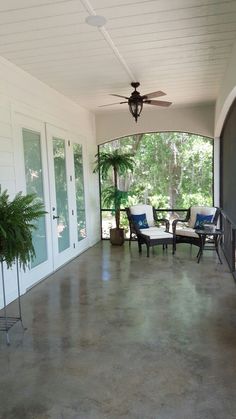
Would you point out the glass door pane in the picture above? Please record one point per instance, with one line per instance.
(59, 157)
(79, 192)
(34, 184)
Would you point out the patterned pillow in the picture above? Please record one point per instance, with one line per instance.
(201, 219)
(140, 220)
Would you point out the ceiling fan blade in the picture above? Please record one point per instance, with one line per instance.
(111, 104)
(119, 96)
(154, 94)
(158, 103)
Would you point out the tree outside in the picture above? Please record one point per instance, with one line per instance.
(172, 170)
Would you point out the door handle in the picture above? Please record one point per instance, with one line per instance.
(55, 216)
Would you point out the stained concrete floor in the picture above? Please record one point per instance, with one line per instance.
(117, 335)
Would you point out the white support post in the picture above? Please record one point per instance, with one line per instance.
(216, 172)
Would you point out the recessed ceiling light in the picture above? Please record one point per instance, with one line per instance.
(96, 20)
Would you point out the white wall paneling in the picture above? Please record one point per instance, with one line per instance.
(25, 100)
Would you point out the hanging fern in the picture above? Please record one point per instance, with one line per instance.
(17, 222)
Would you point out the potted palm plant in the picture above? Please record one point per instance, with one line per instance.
(120, 164)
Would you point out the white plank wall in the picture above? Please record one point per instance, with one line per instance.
(22, 93)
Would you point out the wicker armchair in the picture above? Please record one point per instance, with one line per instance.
(152, 235)
(184, 230)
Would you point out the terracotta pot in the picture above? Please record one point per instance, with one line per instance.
(117, 236)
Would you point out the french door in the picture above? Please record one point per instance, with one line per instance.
(32, 177)
(50, 165)
(68, 215)
(61, 187)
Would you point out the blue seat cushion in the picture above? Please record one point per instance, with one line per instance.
(140, 220)
(201, 219)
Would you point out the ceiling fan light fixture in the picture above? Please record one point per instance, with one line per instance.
(136, 101)
(135, 107)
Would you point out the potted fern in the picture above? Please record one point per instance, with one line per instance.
(17, 222)
(119, 164)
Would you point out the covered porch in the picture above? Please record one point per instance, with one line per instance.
(125, 336)
(111, 333)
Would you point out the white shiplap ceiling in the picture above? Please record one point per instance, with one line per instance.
(178, 46)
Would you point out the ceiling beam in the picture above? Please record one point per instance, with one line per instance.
(110, 42)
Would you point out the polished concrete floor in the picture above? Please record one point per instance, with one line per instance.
(117, 335)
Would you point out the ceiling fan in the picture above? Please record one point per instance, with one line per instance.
(136, 101)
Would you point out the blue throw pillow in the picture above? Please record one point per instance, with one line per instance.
(201, 219)
(140, 220)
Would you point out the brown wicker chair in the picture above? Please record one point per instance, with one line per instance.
(152, 235)
(183, 229)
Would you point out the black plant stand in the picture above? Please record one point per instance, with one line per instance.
(6, 322)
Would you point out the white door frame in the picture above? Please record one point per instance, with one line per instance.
(35, 274)
(61, 258)
(82, 245)
(31, 276)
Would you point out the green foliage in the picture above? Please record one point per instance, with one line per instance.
(196, 198)
(172, 169)
(118, 164)
(17, 221)
(112, 197)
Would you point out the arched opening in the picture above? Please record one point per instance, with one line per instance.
(173, 170)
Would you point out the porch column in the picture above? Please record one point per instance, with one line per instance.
(216, 172)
